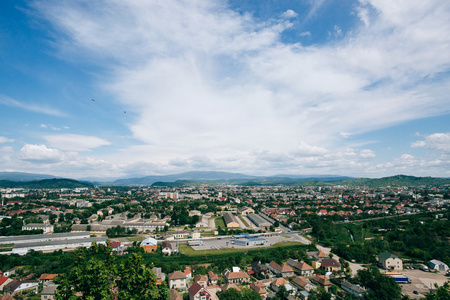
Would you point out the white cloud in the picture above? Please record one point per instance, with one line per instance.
(4, 100)
(436, 141)
(5, 140)
(289, 14)
(40, 154)
(50, 126)
(367, 153)
(207, 83)
(75, 142)
(309, 150)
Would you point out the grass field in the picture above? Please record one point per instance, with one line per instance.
(219, 222)
(243, 221)
(188, 250)
(138, 238)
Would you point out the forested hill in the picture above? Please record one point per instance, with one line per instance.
(398, 180)
(56, 183)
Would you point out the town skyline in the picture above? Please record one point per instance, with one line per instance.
(354, 88)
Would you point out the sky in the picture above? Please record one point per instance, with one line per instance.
(121, 88)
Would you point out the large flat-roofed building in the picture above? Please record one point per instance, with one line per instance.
(145, 226)
(23, 248)
(259, 221)
(230, 220)
(21, 239)
(250, 242)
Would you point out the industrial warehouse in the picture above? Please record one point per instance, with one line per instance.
(250, 242)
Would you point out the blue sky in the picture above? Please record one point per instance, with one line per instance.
(118, 88)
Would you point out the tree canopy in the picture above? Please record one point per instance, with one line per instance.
(97, 274)
(380, 286)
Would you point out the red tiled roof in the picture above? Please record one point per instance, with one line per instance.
(48, 276)
(236, 275)
(177, 275)
(195, 288)
(304, 266)
(3, 279)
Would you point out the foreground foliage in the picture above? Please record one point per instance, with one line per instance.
(97, 274)
(379, 286)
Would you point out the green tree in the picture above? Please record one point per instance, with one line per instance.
(91, 276)
(249, 294)
(137, 281)
(380, 286)
(282, 293)
(441, 292)
(97, 274)
(230, 294)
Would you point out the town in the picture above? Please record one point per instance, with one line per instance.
(322, 232)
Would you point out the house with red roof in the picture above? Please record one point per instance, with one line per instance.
(304, 269)
(4, 281)
(236, 277)
(201, 279)
(197, 292)
(285, 270)
(47, 277)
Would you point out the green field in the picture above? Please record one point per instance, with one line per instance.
(138, 238)
(189, 251)
(243, 221)
(219, 222)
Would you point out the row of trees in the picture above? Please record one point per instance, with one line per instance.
(119, 231)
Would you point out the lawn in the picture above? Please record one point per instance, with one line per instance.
(138, 238)
(189, 251)
(243, 221)
(219, 222)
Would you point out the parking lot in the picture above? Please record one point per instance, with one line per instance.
(225, 242)
(421, 282)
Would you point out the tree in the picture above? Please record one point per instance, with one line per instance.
(282, 293)
(441, 292)
(379, 285)
(137, 281)
(249, 294)
(230, 294)
(91, 276)
(97, 275)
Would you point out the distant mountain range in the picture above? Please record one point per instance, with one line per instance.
(54, 183)
(214, 176)
(28, 180)
(21, 176)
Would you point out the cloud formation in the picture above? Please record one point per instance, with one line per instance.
(75, 142)
(436, 141)
(211, 88)
(4, 100)
(5, 140)
(40, 154)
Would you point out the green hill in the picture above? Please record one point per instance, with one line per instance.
(56, 183)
